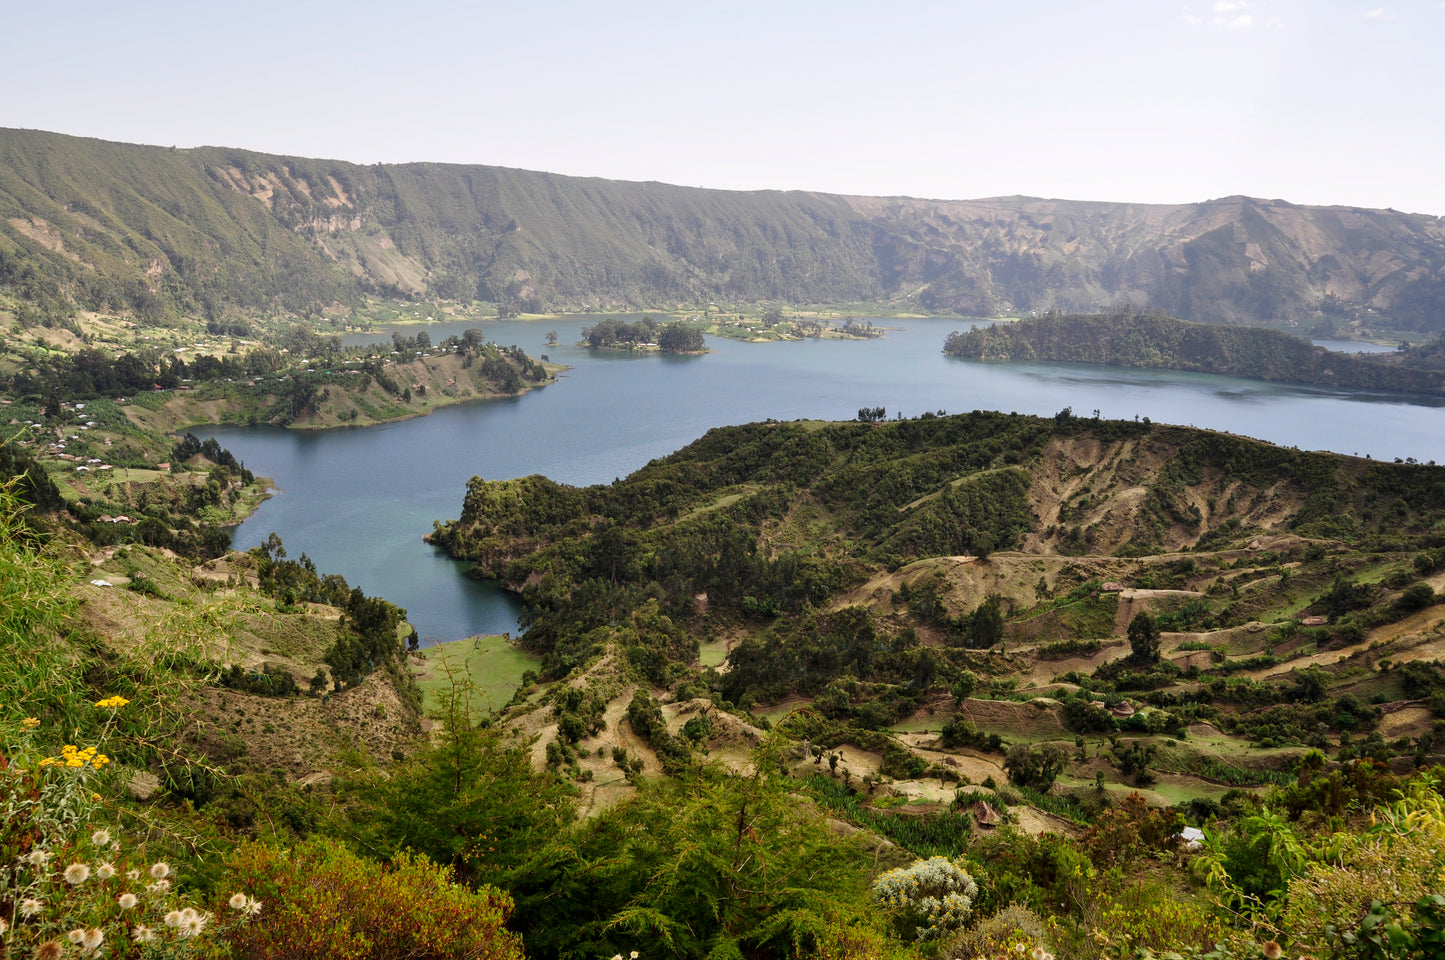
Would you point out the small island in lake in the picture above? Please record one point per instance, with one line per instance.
(685, 336)
(1153, 340)
(646, 335)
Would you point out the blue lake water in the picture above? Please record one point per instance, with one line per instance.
(358, 500)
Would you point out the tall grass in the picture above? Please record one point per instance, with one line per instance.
(55, 668)
(38, 674)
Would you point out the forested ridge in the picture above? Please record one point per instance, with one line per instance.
(771, 519)
(154, 231)
(1133, 339)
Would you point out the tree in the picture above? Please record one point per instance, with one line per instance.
(1144, 638)
(471, 801)
(931, 898)
(677, 338)
(872, 414)
(1134, 759)
(302, 396)
(407, 907)
(703, 865)
(552, 338)
(985, 627)
(964, 686)
(1036, 767)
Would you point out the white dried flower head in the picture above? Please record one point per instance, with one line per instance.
(30, 906)
(937, 894)
(132, 874)
(100, 837)
(192, 926)
(160, 870)
(160, 886)
(76, 935)
(617, 956)
(38, 858)
(142, 934)
(173, 918)
(253, 907)
(76, 873)
(633, 955)
(127, 900)
(1037, 953)
(237, 901)
(105, 871)
(4, 926)
(50, 950)
(93, 938)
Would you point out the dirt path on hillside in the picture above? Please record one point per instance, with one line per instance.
(1420, 636)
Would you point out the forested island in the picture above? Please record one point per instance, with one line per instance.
(685, 336)
(1126, 338)
(645, 334)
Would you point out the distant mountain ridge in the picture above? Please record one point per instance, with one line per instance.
(211, 229)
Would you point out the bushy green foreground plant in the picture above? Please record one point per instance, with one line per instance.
(1364, 894)
(326, 902)
(707, 865)
(471, 802)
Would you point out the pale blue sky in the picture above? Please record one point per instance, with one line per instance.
(1313, 101)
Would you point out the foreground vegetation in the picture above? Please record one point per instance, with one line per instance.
(941, 687)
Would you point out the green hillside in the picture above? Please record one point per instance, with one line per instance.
(210, 230)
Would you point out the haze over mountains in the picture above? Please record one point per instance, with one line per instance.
(157, 230)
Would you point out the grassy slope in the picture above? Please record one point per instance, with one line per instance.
(492, 665)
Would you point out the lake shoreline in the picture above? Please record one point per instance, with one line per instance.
(181, 416)
(358, 501)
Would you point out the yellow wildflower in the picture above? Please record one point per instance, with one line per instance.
(31, 722)
(112, 702)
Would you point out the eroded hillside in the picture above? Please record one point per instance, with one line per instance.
(120, 227)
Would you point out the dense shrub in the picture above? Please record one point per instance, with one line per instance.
(322, 901)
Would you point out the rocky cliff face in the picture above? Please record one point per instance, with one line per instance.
(156, 230)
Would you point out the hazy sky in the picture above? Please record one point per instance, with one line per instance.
(1313, 101)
